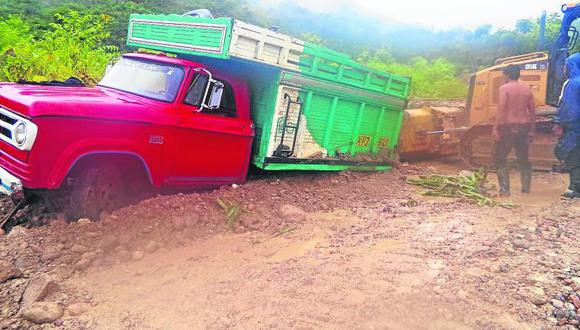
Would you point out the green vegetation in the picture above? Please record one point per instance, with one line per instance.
(432, 79)
(72, 47)
(232, 211)
(470, 187)
(43, 40)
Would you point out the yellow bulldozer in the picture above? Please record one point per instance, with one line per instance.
(446, 131)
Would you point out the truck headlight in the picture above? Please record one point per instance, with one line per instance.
(20, 133)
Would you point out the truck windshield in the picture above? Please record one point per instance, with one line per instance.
(149, 79)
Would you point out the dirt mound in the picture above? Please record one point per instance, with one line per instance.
(323, 249)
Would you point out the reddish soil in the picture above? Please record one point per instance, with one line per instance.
(313, 250)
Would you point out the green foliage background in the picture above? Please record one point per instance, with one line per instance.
(56, 39)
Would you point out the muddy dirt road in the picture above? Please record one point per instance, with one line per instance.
(333, 251)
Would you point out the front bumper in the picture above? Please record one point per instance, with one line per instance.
(9, 184)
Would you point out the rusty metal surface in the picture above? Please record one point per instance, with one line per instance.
(431, 131)
(477, 147)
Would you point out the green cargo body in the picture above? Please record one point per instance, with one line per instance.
(314, 109)
(227, 38)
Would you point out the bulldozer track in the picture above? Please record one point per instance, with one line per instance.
(477, 148)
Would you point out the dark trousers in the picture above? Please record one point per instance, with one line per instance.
(573, 167)
(513, 136)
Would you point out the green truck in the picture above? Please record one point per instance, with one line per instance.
(313, 108)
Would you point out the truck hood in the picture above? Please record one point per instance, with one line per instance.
(37, 100)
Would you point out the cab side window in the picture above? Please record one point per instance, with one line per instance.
(196, 93)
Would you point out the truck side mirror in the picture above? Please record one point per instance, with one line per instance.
(215, 98)
(215, 95)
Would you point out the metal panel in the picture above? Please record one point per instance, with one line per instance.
(254, 43)
(181, 34)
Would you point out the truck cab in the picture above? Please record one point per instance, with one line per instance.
(152, 119)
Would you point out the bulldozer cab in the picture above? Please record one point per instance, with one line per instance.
(484, 94)
(543, 72)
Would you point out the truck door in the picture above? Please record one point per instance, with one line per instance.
(212, 146)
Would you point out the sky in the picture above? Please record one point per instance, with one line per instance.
(439, 14)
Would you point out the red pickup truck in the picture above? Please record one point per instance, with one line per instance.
(152, 119)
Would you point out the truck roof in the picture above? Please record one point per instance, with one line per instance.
(165, 59)
(185, 62)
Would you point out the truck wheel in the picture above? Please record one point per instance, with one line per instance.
(96, 190)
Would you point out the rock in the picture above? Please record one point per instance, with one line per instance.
(292, 212)
(466, 173)
(84, 221)
(76, 309)
(89, 256)
(83, 264)
(49, 256)
(86, 260)
(576, 301)
(539, 301)
(151, 246)
(560, 313)
(77, 248)
(67, 259)
(537, 291)
(521, 244)
(576, 280)
(108, 243)
(249, 220)
(504, 269)
(8, 271)
(462, 295)
(38, 288)
(178, 223)
(42, 312)
(557, 303)
(18, 231)
(137, 255)
(2, 232)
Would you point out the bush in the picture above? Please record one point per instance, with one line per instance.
(74, 46)
(435, 79)
(13, 31)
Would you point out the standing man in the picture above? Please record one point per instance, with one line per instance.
(567, 126)
(514, 127)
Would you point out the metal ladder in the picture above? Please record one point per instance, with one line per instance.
(283, 150)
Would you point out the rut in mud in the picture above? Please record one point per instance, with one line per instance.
(344, 250)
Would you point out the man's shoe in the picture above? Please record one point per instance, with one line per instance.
(571, 194)
(503, 178)
(504, 194)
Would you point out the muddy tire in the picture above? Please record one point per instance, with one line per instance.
(95, 190)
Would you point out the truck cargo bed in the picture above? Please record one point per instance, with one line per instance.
(227, 38)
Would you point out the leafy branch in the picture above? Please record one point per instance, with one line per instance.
(469, 187)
